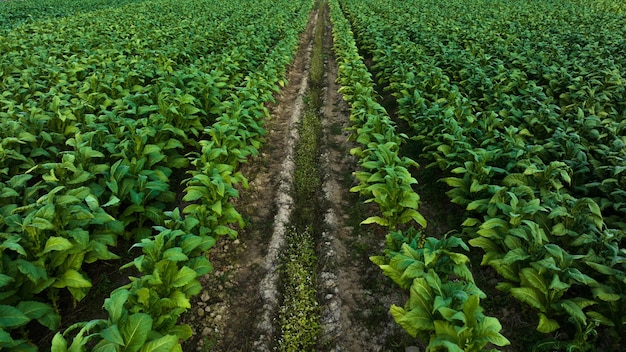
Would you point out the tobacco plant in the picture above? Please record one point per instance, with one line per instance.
(444, 303)
(443, 307)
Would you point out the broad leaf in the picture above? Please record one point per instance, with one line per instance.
(135, 331)
(163, 344)
(115, 304)
(11, 317)
(112, 335)
(184, 276)
(547, 325)
(574, 311)
(530, 296)
(57, 244)
(72, 278)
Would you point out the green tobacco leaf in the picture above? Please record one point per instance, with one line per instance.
(175, 255)
(394, 275)
(32, 271)
(113, 200)
(412, 214)
(450, 314)
(135, 331)
(115, 304)
(445, 331)
(486, 244)
(143, 296)
(180, 299)
(454, 182)
(421, 295)
(55, 243)
(489, 329)
(478, 204)
(471, 222)
(164, 344)
(58, 343)
(182, 331)
(5, 280)
(184, 276)
(112, 334)
(600, 318)
(441, 343)
(414, 270)
(12, 242)
(605, 294)
(105, 346)
(194, 193)
(43, 312)
(602, 269)
(412, 321)
(201, 265)
(151, 149)
(72, 278)
(190, 243)
(547, 325)
(50, 320)
(92, 202)
(557, 284)
(505, 270)
(11, 317)
(515, 255)
(574, 310)
(530, 296)
(471, 306)
(535, 279)
(41, 224)
(375, 219)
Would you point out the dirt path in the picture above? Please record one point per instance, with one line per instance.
(237, 309)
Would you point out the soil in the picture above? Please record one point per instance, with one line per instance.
(237, 309)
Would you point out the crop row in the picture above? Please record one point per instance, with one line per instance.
(14, 13)
(522, 105)
(100, 123)
(443, 307)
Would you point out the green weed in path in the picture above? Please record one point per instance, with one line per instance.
(299, 313)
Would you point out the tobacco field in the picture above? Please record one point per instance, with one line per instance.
(130, 129)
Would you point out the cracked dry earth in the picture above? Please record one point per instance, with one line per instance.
(238, 307)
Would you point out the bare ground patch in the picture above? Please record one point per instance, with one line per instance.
(226, 316)
(234, 312)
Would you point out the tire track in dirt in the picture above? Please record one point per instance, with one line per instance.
(237, 310)
(268, 288)
(354, 312)
(242, 291)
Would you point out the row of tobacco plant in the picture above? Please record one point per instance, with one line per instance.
(443, 308)
(521, 104)
(113, 121)
(15, 13)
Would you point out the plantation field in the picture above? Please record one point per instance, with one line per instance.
(358, 175)
(125, 125)
(521, 106)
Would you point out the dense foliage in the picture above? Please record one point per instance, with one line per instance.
(443, 308)
(105, 117)
(522, 104)
(16, 12)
